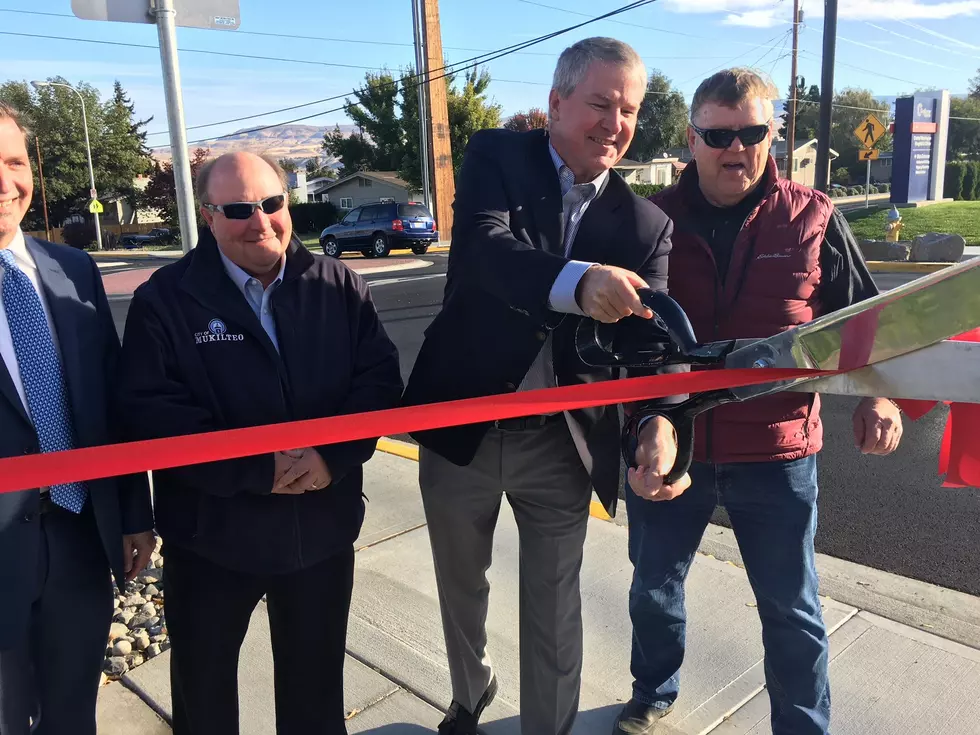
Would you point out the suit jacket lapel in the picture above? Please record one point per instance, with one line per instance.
(9, 391)
(599, 224)
(547, 200)
(64, 303)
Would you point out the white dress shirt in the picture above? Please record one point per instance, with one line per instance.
(24, 260)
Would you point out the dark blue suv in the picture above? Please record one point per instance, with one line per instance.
(377, 229)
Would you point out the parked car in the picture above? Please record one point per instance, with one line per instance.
(156, 236)
(377, 229)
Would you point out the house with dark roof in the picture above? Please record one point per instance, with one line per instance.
(362, 187)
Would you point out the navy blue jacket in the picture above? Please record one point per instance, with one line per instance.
(89, 349)
(196, 359)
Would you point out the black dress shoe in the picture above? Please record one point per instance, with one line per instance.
(638, 718)
(460, 721)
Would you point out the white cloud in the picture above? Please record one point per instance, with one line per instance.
(765, 13)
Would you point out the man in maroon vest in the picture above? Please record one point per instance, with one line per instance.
(754, 254)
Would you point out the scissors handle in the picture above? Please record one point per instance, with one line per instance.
(682, 417)
(670, 317)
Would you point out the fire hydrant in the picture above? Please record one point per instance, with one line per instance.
(893, 225)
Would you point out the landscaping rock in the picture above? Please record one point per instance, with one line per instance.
(938, 247)
(882, 250)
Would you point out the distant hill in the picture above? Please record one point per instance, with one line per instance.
(299, 142)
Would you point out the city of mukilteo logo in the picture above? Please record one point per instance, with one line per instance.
(217, 332)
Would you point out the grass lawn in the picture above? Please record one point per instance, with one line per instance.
(962, 218)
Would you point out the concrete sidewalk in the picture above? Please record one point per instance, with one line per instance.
(887, 677)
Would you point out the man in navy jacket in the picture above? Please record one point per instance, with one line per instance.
(57, 544)
(250, 329)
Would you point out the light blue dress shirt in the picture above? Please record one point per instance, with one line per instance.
(256, 296)
(575, 200)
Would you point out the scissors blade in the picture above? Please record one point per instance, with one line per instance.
(928, 310)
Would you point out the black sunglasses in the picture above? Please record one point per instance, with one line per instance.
(244, 210)
(722, 138)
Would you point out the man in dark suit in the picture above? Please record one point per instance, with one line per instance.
(545, 234)
(57, 544)
(250, 329)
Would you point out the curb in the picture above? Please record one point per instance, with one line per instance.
(411, 451)
(900, 266)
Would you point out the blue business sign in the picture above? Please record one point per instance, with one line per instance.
(920, 132)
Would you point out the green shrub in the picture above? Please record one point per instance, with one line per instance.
(79, 235)
(647, 190)
(841, 176)
(313, 216)
(953, 185)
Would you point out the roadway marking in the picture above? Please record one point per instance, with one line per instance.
(404, 279)
(113, 264)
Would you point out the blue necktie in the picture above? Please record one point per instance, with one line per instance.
(40, 372)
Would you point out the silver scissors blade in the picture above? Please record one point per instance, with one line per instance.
(902, 320)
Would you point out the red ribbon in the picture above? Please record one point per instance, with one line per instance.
(39, 470)
(959, 454)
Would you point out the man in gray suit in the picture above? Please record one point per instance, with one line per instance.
(545, 235)
(57, 544)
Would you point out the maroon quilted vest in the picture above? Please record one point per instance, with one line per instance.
(772, 284)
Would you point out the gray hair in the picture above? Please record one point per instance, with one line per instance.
(574, 62)
(204, 175)
(7, 112)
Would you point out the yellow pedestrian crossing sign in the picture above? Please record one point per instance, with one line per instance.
(869, 131)
(95, 207)
(868, 154)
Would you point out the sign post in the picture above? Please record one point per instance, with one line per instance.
(868, 133)
(183, 183)
(168, 14)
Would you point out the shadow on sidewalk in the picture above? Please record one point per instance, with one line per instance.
(397, 728)
(598, 721)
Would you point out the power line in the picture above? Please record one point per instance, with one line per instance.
(300, 37)
(647, 28)
(703, 75)
(101, 42)
(485, 58)
(874, 72)
(916, 40)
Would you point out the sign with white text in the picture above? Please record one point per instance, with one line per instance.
(222, 15)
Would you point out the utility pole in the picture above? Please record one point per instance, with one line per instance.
(822, 172)
(443, 180)
(421, 82)
(794, 82)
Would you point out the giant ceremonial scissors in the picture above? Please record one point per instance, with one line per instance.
(898, 322)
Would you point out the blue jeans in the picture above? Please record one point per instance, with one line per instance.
(773, 512)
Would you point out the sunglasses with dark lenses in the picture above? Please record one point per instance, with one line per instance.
(722, 138)
(244, 210)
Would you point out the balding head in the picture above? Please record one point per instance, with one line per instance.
(235, 162)
(258, 243)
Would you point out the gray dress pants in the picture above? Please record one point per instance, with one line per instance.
(542, 475)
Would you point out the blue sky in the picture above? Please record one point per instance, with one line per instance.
(889, 46)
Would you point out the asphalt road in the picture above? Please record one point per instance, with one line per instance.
(888, 513)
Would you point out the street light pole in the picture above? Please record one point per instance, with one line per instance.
(93, 194)
(44, 196)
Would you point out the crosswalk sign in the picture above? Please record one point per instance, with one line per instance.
(868, 154)
(868, 132)
(95, 207)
